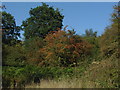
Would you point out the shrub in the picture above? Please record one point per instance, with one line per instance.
(64, 48)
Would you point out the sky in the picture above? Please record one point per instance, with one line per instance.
(77, 15)
(60, 0)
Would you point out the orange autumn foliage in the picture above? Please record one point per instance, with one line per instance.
(64, 48)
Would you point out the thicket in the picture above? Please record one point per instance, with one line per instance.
(48, 52)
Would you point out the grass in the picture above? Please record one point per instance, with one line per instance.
(65, 83)
(102, 74)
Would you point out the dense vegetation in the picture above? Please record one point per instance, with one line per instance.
(50, 53)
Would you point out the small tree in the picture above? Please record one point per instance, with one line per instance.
(90, 33)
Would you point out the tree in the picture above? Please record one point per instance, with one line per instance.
(10, 32)
(91, 37)
(42, 20)
(13, 55)
(32, 47)
(90, 33)
(109, 45)
(64, 48)
(110, 39)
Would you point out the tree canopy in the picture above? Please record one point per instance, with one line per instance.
(42, 20)
(110, 38)
(9, 29)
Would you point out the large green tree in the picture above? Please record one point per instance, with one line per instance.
(10, 32)
(42, 20)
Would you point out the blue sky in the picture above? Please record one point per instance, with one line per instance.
(78, 15)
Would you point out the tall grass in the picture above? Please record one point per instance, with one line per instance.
(64, 83)
(100, 74)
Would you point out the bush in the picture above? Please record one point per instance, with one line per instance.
(19, 75)
(64, 49)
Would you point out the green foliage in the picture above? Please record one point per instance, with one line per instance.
(104, 73)
(9, 29)
(51, 53)
(32, 48)
(33, 44)
(110, 39)
(17, 75)
(28, 74)
(91, 37)
(115, 77)
(42, 20)
(90, 33)
(94, 41)
(13, 55)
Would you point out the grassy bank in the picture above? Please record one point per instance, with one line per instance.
(99, 74)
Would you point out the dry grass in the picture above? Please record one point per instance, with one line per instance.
(66, 83)
(53, 84)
